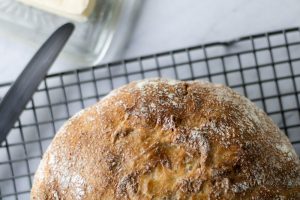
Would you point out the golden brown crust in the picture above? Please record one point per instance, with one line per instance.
(162, 139)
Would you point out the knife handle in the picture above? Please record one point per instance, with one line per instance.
(26, 84)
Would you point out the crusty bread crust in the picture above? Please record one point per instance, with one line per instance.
(165, 139)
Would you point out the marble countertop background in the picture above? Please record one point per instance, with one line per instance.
(170, 24)
(162, 25)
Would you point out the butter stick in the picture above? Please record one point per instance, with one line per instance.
(77, 10)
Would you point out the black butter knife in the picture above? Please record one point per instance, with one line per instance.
(26, 84)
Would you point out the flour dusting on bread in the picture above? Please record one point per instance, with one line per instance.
(169, 139)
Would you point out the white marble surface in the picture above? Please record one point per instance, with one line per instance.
(170, 24)
(162, 25)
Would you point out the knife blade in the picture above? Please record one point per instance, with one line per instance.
(26, 84)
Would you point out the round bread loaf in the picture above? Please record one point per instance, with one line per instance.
(165, 139)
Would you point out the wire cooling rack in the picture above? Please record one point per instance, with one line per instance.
(263, 67)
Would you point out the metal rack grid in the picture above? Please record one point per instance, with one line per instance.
(263, 67)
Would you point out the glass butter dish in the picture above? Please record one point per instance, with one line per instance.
(101, 36)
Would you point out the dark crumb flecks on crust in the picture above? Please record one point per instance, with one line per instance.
(128, 184)
(113, 162)
(121, 132)
(190, 186)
